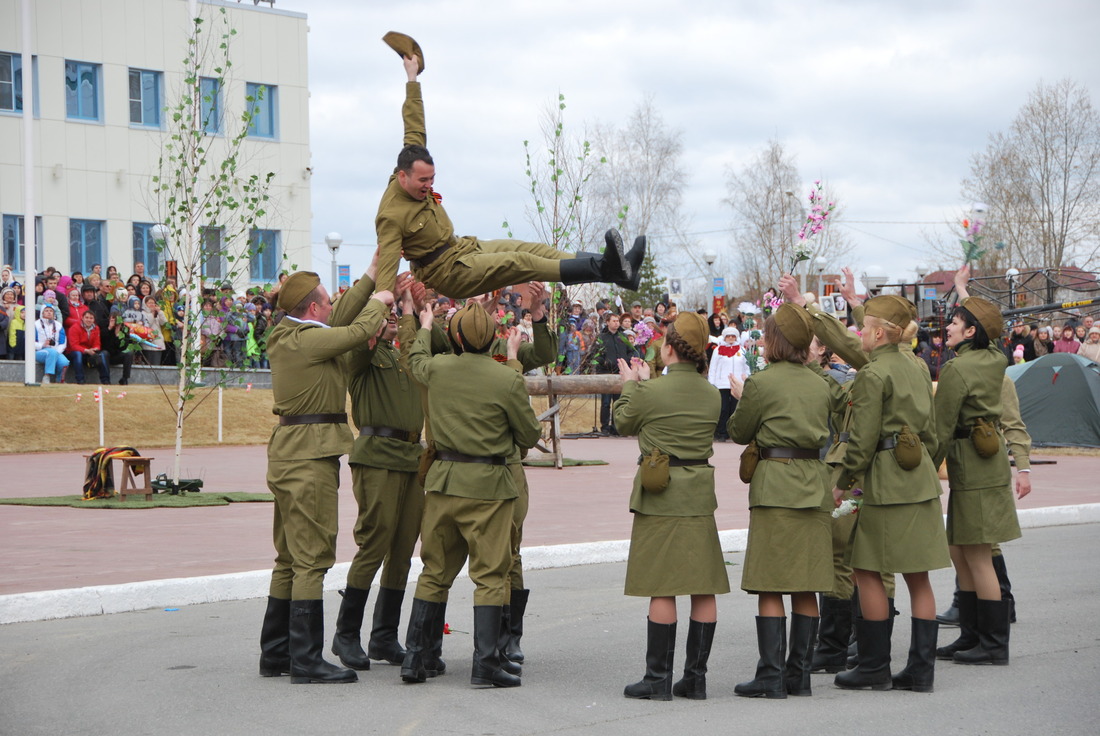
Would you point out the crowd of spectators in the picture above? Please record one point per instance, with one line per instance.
(97, 321)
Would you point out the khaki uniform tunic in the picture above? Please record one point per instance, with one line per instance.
(789, 544)
(674, 547)
(980, 509)
(480, 408)
(303, 461)
(900, 525)
(416, 228)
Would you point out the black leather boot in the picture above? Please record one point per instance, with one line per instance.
(1006, 586)
(834, 631)
(968, 622)
(800, 660)
(518, 608)
(993, 631)
(920, 670)
(346, 643)
(383, 645)
(275, 638)
(307, 641)
(693, 685)
(434, 666)
(487, 662)
(416, 640)
(857, 613)
(659, 655)
(771, 640)
(634, 258)
(873, 670)
(503, 637)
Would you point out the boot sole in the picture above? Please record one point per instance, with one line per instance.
(661, 697)
(914, 688)
(273, 673)
(482, 682)
(769, 696)
(878, 686)
(300, 680)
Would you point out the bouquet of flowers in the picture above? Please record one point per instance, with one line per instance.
(971, 245)
(643, 333)
(849, 505)
(815, 222)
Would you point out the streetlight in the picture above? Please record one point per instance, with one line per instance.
(1012, 273)
(333, 241)
(819, 264)
(710, 257)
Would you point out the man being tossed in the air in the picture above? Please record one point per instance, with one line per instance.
(411, 222)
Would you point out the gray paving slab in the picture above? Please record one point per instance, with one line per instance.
(193, 670)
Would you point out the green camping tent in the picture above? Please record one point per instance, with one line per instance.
(1060, 399)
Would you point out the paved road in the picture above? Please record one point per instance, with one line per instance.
(54, 548)
(193, 671)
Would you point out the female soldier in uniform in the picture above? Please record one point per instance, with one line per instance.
(980, 510)
(900, 524)
(674, 548)
(784, 410)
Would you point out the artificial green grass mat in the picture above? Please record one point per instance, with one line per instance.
(566, 462)
(160, 500)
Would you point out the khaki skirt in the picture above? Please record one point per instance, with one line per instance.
(789, 551)
(675, 555)
(982, 516)
(907, 537)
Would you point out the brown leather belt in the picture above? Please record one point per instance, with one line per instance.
(678, 462)
(397, 434)
(887, 444)
(963, 434)
(788, 453)
(458, 457)
(431, 258)
(288, 421)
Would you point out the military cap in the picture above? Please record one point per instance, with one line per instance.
(796, 324)
(891, 308)
(405, 46)
(987, 314)
(692, 328)
(297, 287)
(472, 327)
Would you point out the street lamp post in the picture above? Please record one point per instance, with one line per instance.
(819, 264)
(1012, 273)
(333, 241)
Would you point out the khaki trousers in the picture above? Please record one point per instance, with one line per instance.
(455, 528)
(305, 525)
(391, 505)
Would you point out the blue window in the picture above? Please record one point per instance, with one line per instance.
(86, 244)
(262, 100)
(213, 256)
(210, 89)
(13, 242)
(11, 83)
(265, 253)
(145, 248)
(82, 90)
(145, 98)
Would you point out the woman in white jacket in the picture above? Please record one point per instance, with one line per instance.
(726, 360)
(49, 344)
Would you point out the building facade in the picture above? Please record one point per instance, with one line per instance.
(106, 74)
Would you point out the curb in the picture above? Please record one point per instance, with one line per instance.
(177, 592)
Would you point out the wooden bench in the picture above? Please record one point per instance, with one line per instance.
(131, 466)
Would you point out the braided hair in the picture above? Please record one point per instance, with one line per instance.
(683, 350)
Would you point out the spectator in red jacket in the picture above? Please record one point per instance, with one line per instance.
(86, 349)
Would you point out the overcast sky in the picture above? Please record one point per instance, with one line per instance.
(886, 101)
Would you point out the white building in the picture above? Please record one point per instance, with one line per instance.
(103, 73)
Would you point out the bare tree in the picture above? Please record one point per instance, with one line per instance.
(766, 198)
(207, 203)
(1041, 181)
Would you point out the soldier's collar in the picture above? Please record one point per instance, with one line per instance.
(306, 321)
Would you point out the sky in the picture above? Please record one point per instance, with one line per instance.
(885, 101)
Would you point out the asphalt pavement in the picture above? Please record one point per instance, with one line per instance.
(191, 669)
